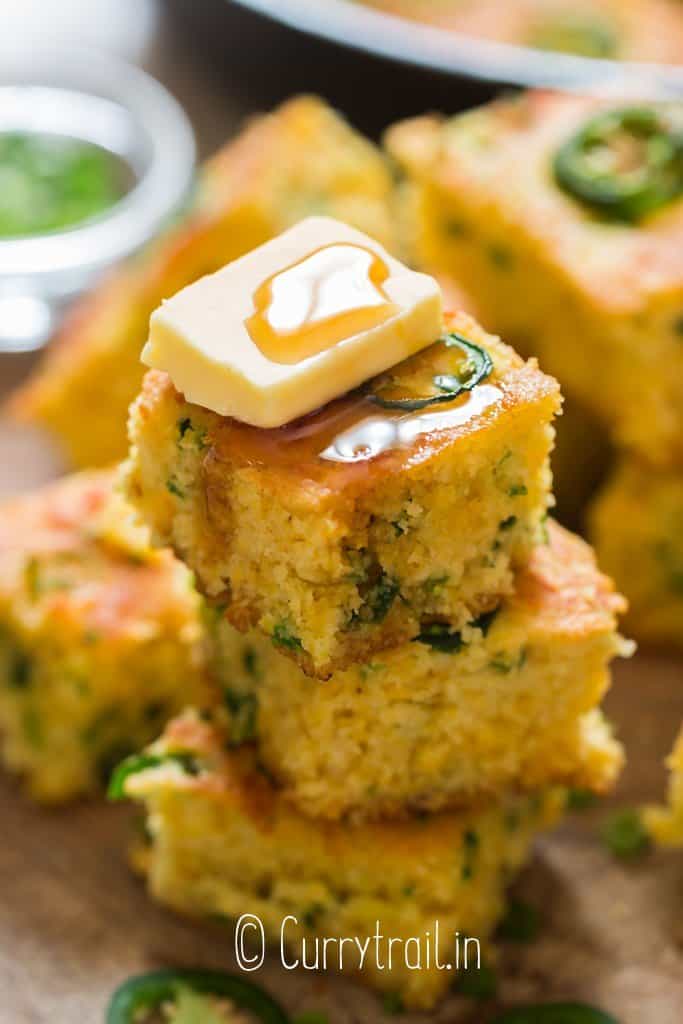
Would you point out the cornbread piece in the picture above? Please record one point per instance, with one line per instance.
(300, 160)
(635, 523)
(100, 638)
(332, 550)
(309, 316)
(648, 30)
(665, 824)
(599, 301)
(508, 702)
(223, 842)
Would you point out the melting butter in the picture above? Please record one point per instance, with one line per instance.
(329, 296)
(293, 325)
(376, 434)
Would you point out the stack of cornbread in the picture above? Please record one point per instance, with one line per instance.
(409, 655)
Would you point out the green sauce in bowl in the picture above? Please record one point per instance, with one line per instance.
(54, 182)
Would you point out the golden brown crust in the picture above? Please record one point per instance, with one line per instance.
(93, 582)
(618, 265)
(286, 461)
(564, 586)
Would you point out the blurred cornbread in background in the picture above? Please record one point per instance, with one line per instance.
(636, 522)
(333, 559)
(508, 702)
(597, 299)
(299, 160)
(100, 636)
(665, 824)
(640, 30)
(222, 840)
(596, 293)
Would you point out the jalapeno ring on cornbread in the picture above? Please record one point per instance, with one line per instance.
(337, 541)
(223, 842)
(562, 217)
(100, 637)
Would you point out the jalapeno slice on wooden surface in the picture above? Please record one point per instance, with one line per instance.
(555, 1013)
(144, 997)
(413, 385)
(625, 163)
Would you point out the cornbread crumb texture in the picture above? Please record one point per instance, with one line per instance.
(223, 842)
(604, 311)
(635, 524)
(336, 560)
(302, 159)
(510, 702)
(665, 824)
(100, 638)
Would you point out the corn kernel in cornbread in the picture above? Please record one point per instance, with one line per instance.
(223, 842)
(509, 702)
(599, 301)
(647, 30)
(338, 540)
(100, 637)
(665, 824)
(636, 525)
(298, 321)
(300, 160)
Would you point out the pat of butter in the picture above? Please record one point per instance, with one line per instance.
(297, 322)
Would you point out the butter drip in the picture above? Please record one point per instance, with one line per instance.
(373, 435)
(331, 295)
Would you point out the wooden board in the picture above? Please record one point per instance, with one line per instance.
(74, 922)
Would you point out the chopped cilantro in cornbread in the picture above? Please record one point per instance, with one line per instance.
(334, 549)
(224, 842)
(448, 718)
(100, 637)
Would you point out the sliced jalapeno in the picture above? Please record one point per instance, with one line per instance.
(555, 1013)
(145, 995)
(625, 163)
(413, 385)
(140, 763)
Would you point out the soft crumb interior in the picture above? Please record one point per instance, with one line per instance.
(419, 728)
(332, 584)
(210, 857)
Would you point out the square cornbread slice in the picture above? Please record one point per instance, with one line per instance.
(597, 300)
(334, 548)
(224, 843)
(100, 637)
(509, 702)
(665, 824)
(636, 526)
(299, 160)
